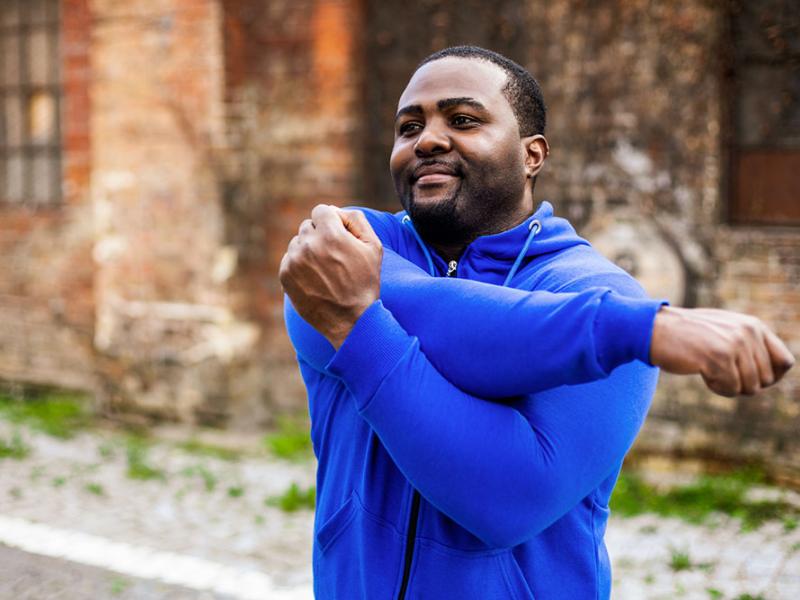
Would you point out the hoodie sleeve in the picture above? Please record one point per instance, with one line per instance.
(497, 342)
(465, 455)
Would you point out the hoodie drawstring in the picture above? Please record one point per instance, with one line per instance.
(407, 221)
(535, 227)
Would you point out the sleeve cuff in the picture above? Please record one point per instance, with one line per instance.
(623, 329)
(370, 352)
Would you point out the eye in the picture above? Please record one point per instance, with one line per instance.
(409, 128)
(464, 121)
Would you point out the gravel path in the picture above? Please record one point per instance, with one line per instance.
(214, 511)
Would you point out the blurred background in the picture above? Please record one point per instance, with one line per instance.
(157, 155)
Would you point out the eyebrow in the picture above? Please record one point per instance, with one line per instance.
(416, 109)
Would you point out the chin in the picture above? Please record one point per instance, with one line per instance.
(437, 219)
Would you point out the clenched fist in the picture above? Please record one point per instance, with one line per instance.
(734, 353)
(331, 270)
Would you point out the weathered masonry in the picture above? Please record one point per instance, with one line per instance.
(156, 156)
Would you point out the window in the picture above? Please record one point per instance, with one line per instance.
(765, 121)
(30, 99)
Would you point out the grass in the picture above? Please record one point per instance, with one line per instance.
(14, 448)
(236, 491)
(198, 448)
(291, 441)
(139, 466)
(294, 499)
(209, 479)
(119, 585)
(680, 561)
(57, 413)
(106, 450)
(696, 502)
(95, 488)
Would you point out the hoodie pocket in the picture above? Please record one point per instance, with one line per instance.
(357, 555)
(443, 572)
(336, 524)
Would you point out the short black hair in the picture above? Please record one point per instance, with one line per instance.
(522, 90)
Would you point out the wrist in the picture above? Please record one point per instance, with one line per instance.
(343, 325)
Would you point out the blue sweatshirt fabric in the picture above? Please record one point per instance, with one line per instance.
(508, 409)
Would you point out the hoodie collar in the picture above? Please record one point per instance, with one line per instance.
(555, 234)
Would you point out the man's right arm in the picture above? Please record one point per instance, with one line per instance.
(496, 342)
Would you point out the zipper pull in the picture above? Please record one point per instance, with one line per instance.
(451, 268)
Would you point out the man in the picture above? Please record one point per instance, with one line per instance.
(476, 372)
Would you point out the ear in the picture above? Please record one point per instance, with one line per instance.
(536, 151)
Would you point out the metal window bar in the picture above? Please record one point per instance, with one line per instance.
(30, 102)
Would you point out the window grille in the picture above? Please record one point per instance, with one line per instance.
(765, 122)
(30, 101)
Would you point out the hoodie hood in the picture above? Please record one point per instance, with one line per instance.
(554, 234)
(496, 258)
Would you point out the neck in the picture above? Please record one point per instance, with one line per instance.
(453, 250)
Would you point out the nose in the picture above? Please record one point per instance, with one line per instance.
(432, 140)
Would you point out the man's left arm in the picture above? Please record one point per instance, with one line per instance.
(503, 472)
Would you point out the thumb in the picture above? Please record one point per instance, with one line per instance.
(356, 223)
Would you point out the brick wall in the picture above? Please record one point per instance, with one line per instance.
(167, 339)
(198, 133)
(46, 281)
(637, 125)
(291, 93)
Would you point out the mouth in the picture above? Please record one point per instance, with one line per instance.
(432, 174)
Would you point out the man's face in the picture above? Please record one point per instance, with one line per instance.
(458, 161)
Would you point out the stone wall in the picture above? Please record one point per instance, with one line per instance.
(638, 126)
(198, 133)
(46, 277)
(164, 329)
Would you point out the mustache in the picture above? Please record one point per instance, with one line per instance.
(444, 166)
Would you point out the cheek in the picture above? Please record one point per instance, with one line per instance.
(499, 159)
(399, 158)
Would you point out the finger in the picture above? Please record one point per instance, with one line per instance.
(326, 218)
(763, 362)
(283, 271)
(723, 377)
(749, 381)
(356, 223)
(780, 356)
(306, 227)
(724, 387)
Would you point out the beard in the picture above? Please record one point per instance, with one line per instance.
(461, 216)
(438, 222)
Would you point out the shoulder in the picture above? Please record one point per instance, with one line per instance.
(578, 268)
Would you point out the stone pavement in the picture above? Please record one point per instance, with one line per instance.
(74, 525)
(25, 576)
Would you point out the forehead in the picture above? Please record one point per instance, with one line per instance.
(455, 77)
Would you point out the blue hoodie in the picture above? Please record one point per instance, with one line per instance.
(469, 433)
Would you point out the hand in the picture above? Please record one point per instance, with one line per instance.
(735, 353)
(331, 270)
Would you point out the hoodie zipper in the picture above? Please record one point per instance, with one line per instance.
(411, 536)
(411, 533)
